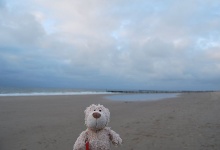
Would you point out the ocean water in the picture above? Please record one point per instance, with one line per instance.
(63, 91)
(141, 97)
(47, 91)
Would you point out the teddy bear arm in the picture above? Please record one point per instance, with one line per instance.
(80, 142)
(115, 138)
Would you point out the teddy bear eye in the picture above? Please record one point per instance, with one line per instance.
(100, 110)
(94, 109)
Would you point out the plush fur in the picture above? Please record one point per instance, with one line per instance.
(97, 133)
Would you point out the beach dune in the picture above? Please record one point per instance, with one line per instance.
(190, 121)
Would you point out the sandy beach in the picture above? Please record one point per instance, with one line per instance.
(188, 122)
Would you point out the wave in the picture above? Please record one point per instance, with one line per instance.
(47, 92)
(54, 94)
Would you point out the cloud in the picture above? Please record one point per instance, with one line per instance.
(126, 44)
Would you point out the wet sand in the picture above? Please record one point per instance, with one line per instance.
(191, 121)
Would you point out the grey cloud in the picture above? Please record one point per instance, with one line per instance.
(135, 44)
(20, 33)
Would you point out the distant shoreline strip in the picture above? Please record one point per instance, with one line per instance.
(95, 92)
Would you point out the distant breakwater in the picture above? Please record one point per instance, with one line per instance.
(153, 91)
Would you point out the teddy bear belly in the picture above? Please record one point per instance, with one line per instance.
(99, 145)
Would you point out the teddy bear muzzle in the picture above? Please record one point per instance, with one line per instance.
(96, 115)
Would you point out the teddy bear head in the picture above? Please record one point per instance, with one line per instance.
(96, 117)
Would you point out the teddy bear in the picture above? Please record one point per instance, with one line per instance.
(97, 136)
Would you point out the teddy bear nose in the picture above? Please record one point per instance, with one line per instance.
(96, 115)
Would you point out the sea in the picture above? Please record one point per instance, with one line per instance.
(63, 91)
(47, 91)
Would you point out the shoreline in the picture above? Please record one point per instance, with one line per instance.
(4, 92)
(190, 121)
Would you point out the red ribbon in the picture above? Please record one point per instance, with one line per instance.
(87, 145)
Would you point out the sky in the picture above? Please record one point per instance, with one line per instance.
(110, 44)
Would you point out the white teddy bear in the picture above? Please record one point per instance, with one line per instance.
(97, 136)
